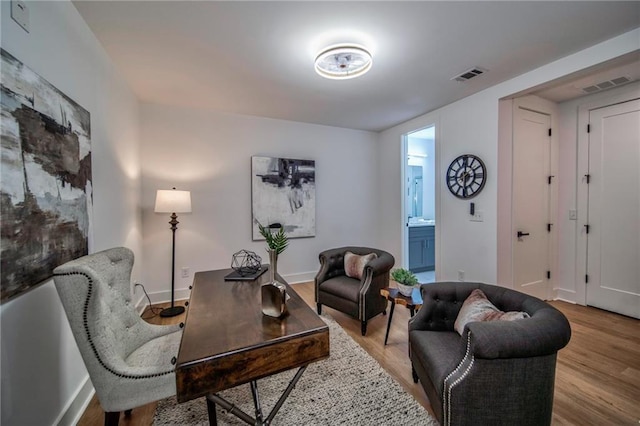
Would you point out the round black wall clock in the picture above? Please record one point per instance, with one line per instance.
(466, 176)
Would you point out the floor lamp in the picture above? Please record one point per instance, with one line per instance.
(172, 201)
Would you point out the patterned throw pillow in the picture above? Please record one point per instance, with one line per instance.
(478, 308)
(354, 264)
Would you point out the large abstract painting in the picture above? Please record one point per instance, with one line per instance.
(283, 191)
(45, 186)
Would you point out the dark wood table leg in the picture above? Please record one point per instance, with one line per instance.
(386, 336)
(211, 408)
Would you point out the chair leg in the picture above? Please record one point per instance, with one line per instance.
(319, 308)
(363, 328)
(111, 418)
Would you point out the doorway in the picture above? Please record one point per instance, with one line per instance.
(419, 194)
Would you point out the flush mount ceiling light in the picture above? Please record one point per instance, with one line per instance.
(343, 61)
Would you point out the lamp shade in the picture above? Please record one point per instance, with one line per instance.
(172, 201)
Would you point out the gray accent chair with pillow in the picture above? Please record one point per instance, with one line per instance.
(359, 298)
(130, 362)
(496, 372)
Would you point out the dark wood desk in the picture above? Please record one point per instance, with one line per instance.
(227, 341)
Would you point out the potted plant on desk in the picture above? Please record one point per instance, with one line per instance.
(405, 280)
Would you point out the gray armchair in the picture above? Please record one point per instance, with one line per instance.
(497, 372)
(130, 362)
(359, 298)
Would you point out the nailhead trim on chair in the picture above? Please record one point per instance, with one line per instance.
(95, 352)
(447, 390)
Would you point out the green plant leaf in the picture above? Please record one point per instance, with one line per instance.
(404, 276)
(278, 241)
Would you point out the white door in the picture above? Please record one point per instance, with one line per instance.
(613, 239)
(531, 170)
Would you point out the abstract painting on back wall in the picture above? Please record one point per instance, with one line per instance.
(283, 191)
(45, 178)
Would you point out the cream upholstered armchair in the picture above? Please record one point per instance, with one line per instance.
(359, 298)
(130, 362)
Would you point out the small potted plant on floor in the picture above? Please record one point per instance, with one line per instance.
(405, 280)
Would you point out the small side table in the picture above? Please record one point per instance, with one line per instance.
(393, 295)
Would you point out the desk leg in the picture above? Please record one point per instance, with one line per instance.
(386, 336)
(211, 409)
(256, 402)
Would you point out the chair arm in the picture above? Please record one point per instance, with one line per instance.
(545, 333)
(329, 264)
(380, 265)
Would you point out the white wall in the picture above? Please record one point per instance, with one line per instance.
(471, 126)
(43, 376)
(209, 154)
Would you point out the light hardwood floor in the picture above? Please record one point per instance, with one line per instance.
(597, 375)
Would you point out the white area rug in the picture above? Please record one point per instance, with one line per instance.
(348, 388)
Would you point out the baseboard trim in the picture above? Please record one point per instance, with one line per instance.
(301, 277)
(77, 405)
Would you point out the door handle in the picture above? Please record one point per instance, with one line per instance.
(522, 234)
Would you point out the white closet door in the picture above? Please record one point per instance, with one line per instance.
(613, 241)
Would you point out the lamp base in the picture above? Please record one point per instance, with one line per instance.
(172, 311)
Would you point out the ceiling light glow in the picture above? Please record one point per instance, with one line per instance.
(344, 61)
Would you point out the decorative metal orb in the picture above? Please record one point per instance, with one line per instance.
(246, 262)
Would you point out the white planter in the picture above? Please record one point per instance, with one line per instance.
(405, 290)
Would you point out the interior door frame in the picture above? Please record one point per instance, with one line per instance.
(582, 193)
(403, 208)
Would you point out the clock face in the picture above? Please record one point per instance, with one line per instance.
(466, 176)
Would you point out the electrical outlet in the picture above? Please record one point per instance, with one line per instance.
(185, 272)
(460, 275)
(478, 216)
(573, 215)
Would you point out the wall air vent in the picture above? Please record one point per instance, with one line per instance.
(604, 85)
(469, 74)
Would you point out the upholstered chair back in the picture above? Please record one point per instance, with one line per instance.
(130, 361)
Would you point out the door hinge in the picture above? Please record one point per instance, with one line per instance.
(588, 177)
(548, 275)
(549, 179)
(549, 131)
(588, 128)
(587, 228)
(586, 278)
(549, 225)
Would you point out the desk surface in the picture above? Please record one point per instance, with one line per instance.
(227, 340)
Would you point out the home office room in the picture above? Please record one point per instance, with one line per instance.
(286, 128)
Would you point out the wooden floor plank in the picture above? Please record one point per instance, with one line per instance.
(597, 374)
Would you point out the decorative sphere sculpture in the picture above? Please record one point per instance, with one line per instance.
(246, 262)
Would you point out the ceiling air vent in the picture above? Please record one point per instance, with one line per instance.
(469, 74)
(619, 81)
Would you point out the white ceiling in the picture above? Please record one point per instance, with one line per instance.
(256, 58)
